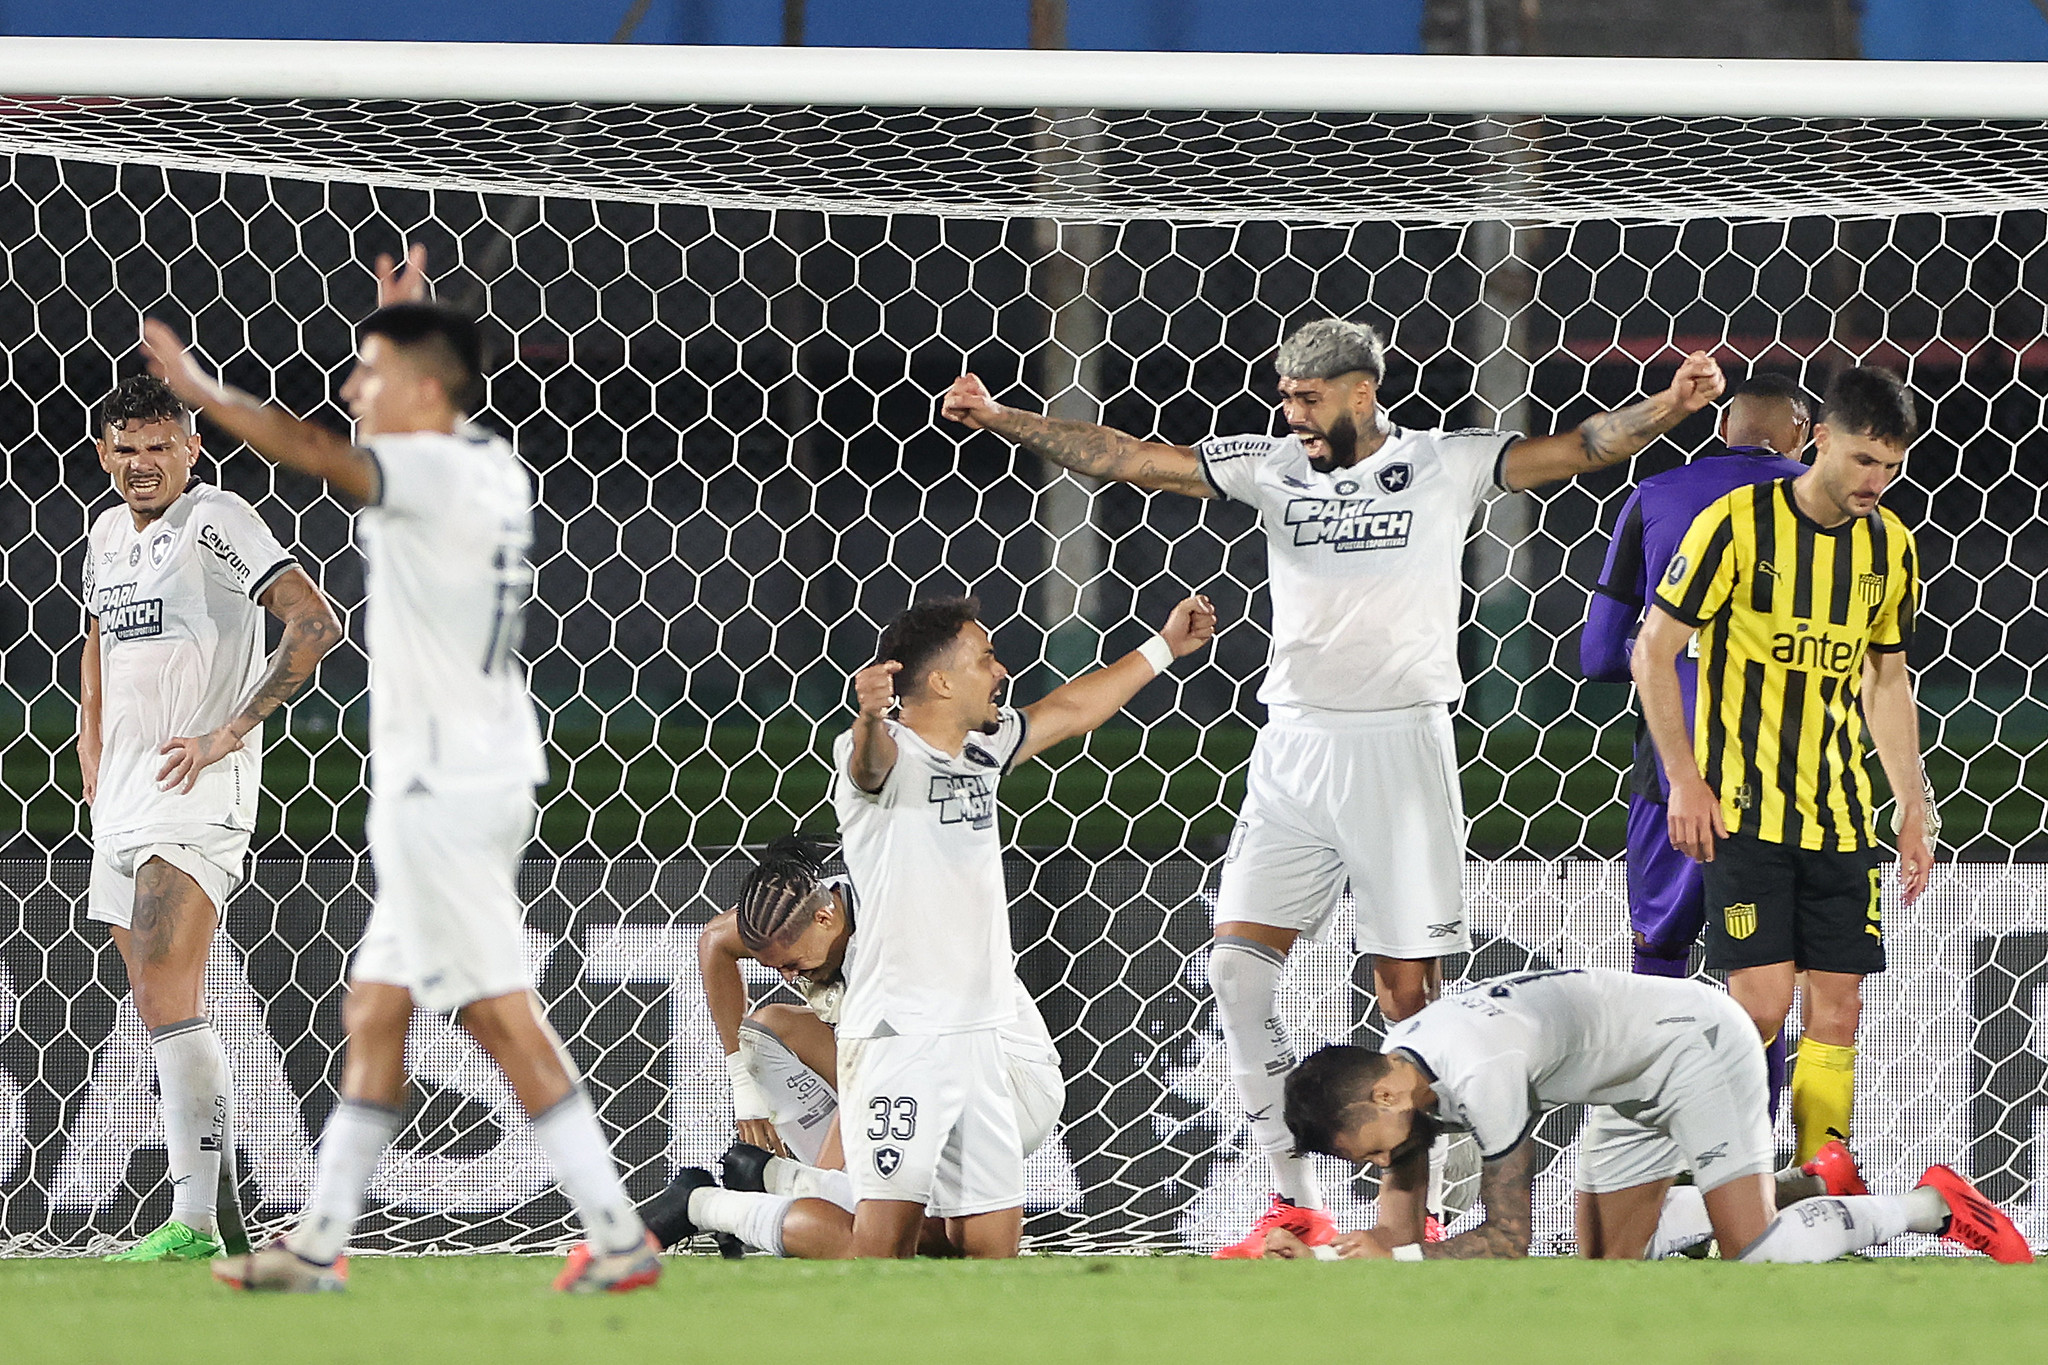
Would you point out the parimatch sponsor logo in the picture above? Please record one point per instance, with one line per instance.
(1346, 524)
(124, 618)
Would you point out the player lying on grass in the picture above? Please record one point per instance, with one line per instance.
(792, 918)
(1675, 1075)
(446, 519)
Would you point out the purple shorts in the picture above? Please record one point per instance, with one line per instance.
(1666, 906)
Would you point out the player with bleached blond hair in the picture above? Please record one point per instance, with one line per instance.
(1354, 778)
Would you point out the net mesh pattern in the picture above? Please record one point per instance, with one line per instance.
(721, 336)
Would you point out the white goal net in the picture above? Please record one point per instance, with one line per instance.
(722, 329)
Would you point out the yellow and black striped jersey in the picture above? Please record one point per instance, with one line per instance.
(1785, 611)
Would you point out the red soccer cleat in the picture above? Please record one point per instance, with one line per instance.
(1837, 1169)
(1976, 1222)
(586, 1272)
(1312, 1226)
(1432, 1228)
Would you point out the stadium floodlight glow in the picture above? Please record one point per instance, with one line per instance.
(731, 283)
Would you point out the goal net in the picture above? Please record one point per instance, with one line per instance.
(723, 326)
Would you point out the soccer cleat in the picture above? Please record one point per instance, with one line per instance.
(1976, 1222)
(1835, 1166)
(1312, 1226)
(174, 1241)
(667, 1215)
(277, 1269)
(618, 1272)
(745, 1167)
(1432, 1228)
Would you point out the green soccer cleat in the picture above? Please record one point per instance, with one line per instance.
(173, 1241)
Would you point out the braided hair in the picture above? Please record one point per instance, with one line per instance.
(775, 893)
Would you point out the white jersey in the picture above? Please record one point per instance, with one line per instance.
(1504, 1052)
(933, 925)
(447, 582)
(1366, 562)
(181, 646)
(1026, 1037)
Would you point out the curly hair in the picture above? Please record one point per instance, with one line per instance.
(774, 894)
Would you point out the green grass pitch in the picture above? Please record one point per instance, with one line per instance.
(1040, 1310)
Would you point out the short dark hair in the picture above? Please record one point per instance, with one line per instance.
(1769, 384)
(1324, 1089)
(141, 398)
(782, 883)
(917, 638)
(1871, 401)
(447, 339)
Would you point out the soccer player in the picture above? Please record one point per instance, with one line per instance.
(929, 1121)
(1803, 592)
(1354, 777)
(173, 692)
(802, 924)
(455, 753)
(1676, 1082)
(1763, 431)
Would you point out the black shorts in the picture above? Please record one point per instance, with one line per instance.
(1816, 908)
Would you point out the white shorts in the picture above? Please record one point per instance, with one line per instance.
(447, 923)
(214, 859)
(929, 1119)
(1709, 1116)
(1040, 1093)
(1370, 797)
(801, 1104)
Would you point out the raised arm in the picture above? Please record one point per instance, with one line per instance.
(1610, 437)
(310, 631)
(271, 432)
(1079, 706)
(1696, 819)
(873, 756)
(1893, 716)
(1080, 446)
(89, 711)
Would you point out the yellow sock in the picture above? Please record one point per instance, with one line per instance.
(1823, 1092)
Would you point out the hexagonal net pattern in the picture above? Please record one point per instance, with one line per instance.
(720, 337)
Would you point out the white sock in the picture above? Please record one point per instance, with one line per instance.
(1681, 1225)
(1822, 1229)
(356, 1135)
(799, 1181)
(192, 1074)
(755, 1219)
(583, 1165)
(1245, 977)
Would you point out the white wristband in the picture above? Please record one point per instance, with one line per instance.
(1157, 653)
(1325, 1253)
(747, 1099)
(1411, 1252)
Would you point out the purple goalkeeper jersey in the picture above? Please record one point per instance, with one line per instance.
(1652, 523)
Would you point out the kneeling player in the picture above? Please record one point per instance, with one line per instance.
(1676, 1080)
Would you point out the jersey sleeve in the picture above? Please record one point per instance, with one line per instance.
(1891, 630)
(1489, 1091)
(1475, 458)
(1231, 464)
(849, 799)
(1621, 575)
(237, 549)
(1701, 577)
(418, 475)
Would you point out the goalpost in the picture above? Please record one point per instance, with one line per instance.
(728, 286)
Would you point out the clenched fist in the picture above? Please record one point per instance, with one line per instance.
(874, 688)
(968, 403)
(1699, 381)
(1192, 625)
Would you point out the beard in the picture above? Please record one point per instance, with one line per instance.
(1341, 440)
(1424, 1130)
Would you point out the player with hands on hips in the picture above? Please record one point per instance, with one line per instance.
(930, 1122)
(1354, 778)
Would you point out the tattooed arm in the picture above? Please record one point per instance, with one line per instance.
(1080, 446)
(1505, 1186)
(310, 630)
(1610, 437)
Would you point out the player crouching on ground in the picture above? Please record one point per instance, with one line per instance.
(801, 923)
(929, 989)
(1676, 1080)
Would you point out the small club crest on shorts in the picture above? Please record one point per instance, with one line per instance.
(1740, 919)
(887, 1161)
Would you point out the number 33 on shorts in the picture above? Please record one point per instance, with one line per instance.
(895, 1118)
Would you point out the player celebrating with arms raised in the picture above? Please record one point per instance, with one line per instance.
(928, 1119)
(447, 518)
(1803, 591)
(1355, 776)
(173, 693)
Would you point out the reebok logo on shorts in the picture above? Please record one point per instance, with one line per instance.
(1712, 1155)
(1448, 929)
(888, 1160)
